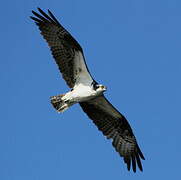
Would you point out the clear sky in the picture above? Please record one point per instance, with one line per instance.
(132, 47)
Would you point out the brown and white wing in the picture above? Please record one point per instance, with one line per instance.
(115, 126)
(66, 51)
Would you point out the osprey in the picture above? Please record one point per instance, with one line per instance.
(70, 59)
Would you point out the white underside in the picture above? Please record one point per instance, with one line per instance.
(79, 94)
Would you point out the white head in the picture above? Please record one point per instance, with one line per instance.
(99, 88)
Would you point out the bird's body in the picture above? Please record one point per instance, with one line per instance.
(70, 59)
(80, 93)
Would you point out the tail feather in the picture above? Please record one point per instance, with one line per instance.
(58, 103)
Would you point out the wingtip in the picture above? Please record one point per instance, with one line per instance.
(53, 17)
(139, 162)
(31, 17)
(140, 153)
(133, 163)
(142, 156)
(34, 12)
(40, 10)
(128, 162)
(51, 14)
(141, 168)
(49, 11)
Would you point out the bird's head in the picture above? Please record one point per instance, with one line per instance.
(99, 88)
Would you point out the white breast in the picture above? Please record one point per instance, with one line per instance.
(82, 92)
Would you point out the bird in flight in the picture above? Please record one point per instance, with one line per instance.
(70, 59)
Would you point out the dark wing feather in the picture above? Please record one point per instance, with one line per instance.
(115, 126)
(62, 45)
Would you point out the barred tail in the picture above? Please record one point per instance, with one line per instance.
(59, 104)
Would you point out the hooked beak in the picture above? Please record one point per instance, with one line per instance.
(104, 88)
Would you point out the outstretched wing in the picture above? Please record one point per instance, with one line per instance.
(115, 126)
(66, 51)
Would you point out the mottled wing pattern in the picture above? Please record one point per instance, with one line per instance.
(63, 46)
(115, 126)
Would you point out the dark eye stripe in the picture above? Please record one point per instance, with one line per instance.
(95, 85)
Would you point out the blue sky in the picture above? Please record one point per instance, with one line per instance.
(133, 47)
